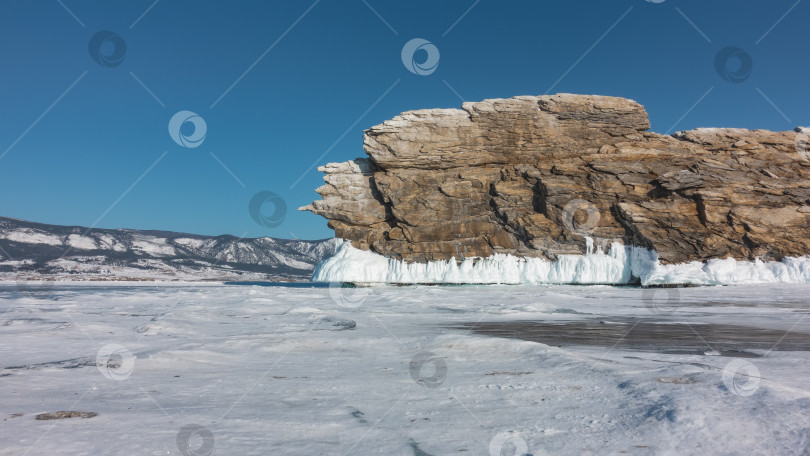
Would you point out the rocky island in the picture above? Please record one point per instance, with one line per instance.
(538, 176)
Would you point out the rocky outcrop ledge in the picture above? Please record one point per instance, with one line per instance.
(533, 176)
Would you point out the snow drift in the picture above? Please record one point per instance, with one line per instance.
(620, 265)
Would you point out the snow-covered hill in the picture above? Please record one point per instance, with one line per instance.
(31, 250)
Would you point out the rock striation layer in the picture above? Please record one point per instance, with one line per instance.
(533, 176)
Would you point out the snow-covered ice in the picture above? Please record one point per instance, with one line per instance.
(388, 370)
(620, 265)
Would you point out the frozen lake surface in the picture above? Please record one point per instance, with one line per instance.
(195, 369)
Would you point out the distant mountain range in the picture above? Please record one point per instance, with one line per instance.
(31, 251)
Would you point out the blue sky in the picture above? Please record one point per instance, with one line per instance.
(285, 86)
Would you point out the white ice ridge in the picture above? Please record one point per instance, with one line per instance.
(621, 265)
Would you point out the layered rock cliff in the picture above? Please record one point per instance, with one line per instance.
(533, 176)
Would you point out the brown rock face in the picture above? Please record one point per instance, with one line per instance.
(533, 175)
